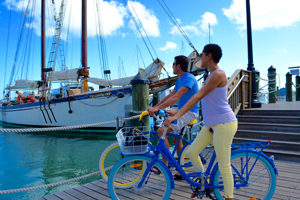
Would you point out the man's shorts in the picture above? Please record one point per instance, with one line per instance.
(177, 125)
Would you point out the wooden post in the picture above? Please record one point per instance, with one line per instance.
(272, 84)
(156, 98)
(288, 87)
(297, 88)
(140, 98)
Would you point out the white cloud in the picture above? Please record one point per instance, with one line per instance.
(264, 13)
(20, 5)
(193, 28)
(111, 14)
(295, 64)
(168, 46)
(145, 16)
(188, 29)
(208, 18)
(109, 25)
(283, 51)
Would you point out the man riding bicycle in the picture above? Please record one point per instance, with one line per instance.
(185, 87)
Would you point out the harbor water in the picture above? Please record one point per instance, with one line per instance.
(28, 160)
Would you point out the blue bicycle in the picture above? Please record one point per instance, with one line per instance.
(254, 174)
(112, 154)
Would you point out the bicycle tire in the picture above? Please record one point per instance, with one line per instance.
(184, 160)
(261, 181)
(129, 171)
(109, 157)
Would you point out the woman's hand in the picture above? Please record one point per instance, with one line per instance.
(169, 120)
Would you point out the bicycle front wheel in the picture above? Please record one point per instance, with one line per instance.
(185, 161)
(253, 174)
(129, 171)
(109, 157)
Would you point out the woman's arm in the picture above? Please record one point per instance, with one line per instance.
(216, 80)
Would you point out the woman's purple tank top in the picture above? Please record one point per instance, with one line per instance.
(215, 107)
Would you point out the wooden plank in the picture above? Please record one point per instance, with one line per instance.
(103, 185)
(90, 192)
(52, 197)
(288, 187)
(65, 196)
(78, 194)
(98, 189)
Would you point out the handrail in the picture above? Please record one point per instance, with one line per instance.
(232, 91)
(239, 90)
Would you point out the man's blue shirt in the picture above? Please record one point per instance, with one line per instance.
(187, 80)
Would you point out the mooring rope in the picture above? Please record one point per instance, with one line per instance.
(48, 185)
(55, 129)
(27, 130)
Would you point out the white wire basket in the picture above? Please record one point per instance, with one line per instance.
(132, 140)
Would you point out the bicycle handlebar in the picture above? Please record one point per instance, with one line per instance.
(160, 113)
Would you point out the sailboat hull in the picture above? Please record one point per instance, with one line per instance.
(87, 108)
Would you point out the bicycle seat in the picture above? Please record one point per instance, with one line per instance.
(194, 121)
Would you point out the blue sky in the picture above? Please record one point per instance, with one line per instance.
(275, 32)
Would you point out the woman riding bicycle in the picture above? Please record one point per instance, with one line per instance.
(220, 122)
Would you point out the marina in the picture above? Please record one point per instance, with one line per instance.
(67, 91)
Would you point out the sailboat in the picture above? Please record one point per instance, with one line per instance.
(79, 105)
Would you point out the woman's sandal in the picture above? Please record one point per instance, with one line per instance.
(178, 177)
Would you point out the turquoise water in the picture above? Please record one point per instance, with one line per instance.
(28, 160)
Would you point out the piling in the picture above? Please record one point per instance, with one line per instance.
(272, 84)
(140, 98)
(297, 88)
(288, 87)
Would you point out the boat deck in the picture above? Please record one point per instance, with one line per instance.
(288, 187)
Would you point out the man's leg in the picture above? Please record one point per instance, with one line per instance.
(160, 132)
(180, 145)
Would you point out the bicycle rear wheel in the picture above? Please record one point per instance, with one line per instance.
(253, 175)
(109, 157)
(129, 171)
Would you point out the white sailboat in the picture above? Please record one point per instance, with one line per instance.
(74, 106)
(78, 106)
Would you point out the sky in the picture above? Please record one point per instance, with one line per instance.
(275, 34)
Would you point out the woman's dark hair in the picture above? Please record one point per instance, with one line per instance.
(182, 61)
(215, 50)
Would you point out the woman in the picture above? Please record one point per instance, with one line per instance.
(220, 122)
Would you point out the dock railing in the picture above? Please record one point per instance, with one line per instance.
(239, 90)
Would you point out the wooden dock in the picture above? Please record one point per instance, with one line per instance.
(288, 187)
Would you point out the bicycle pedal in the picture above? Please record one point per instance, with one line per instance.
(208, 193)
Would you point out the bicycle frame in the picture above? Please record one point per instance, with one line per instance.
(212, 168)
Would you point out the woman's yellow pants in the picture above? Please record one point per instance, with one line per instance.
(221, 136)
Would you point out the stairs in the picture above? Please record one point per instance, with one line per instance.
(282, 127)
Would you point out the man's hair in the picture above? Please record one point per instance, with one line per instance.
(182, 61)
(215, 50)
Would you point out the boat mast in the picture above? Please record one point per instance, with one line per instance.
(43, 42)
(84, 70)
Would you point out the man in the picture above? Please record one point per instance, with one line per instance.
(185, 87)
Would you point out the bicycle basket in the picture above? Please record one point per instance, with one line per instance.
(132, 140)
